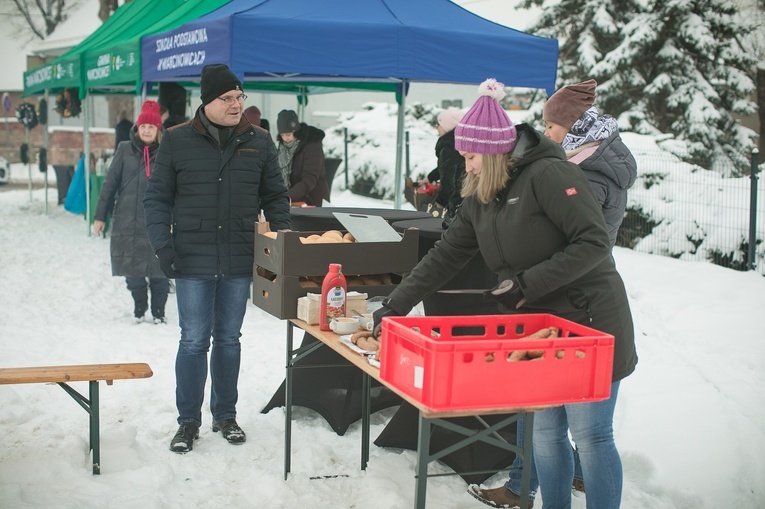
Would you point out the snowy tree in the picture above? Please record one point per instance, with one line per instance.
(672, 66)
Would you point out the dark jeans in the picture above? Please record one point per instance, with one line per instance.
(209, 307)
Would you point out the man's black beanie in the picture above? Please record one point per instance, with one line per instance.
(217, 79)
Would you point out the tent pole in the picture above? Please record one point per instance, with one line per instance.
(45, 146)
(86, 147)
(399, 145)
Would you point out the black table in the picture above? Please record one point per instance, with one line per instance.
(322, 219)
(325, 382)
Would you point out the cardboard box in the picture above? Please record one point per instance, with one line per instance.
(278, 294)
(309, 306)
(287, 256)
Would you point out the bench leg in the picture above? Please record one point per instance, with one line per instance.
(95, 442)
(90, 406)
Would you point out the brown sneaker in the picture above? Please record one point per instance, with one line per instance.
(497, 497)
(578, 485)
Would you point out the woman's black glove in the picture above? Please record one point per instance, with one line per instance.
(166, 257)
(508, 293)
(378, 315)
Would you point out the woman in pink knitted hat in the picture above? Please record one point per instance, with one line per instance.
(532, 216)
(131, 254)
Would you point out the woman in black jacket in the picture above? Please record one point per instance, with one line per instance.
(301, 158)
(533, 217)
(122, 195)
(450, 170)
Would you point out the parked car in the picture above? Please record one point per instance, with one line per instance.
(5, 171)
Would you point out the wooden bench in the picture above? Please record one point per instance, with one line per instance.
(91, 373)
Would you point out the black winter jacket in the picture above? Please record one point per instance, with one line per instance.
(547, 227)
(611, 171)
(122, 195)
(307, 181)
(450, 172)
(212, 197)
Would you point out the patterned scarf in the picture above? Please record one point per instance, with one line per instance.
(286, 153)
(590, 127)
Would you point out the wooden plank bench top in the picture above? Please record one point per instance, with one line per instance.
(91, 373)
(78, 373)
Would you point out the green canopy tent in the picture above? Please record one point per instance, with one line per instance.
(108, 61)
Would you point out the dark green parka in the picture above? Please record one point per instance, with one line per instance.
(547, 226)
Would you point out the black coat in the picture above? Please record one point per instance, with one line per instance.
(450, 172)
(307, 182)
(611, 170)
(547, 226)
(122, 195)
(212, 196)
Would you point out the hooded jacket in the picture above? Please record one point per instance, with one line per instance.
(122, 195)
(307, 182)
(611, 170)
(450, 172)
(212, 195)
(547, 228)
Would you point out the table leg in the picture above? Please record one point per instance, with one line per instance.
(423, 458)
(288, 403)
(526, 455)
(366, 405)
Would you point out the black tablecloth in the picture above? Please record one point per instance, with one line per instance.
(331, 386)
(322, 219)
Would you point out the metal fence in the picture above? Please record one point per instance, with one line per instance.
(683, 211)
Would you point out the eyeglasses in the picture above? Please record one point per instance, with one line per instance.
(231, 100)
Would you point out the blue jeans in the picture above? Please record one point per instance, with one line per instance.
(514, 482)
(209, 307)
(591, 426)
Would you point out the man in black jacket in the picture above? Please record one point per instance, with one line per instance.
(212, 177)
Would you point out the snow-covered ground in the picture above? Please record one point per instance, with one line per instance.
(688, 422)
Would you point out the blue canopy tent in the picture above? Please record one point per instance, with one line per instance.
(366, 42)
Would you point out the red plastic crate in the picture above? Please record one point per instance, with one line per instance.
(453, 363)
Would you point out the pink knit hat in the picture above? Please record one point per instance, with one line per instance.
(486, 128)
(150, 115)
(448, 119)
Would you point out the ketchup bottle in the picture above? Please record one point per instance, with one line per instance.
(333, 291)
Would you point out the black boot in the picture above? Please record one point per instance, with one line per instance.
(141, 301)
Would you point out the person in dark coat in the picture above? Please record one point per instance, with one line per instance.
(172, 104)
(122, 129)
(301, 159)
(532, 216)
(122, 196)
(592, 141)
(450, 170)
(212, 177)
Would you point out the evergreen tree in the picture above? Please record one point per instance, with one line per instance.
(671, 66)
